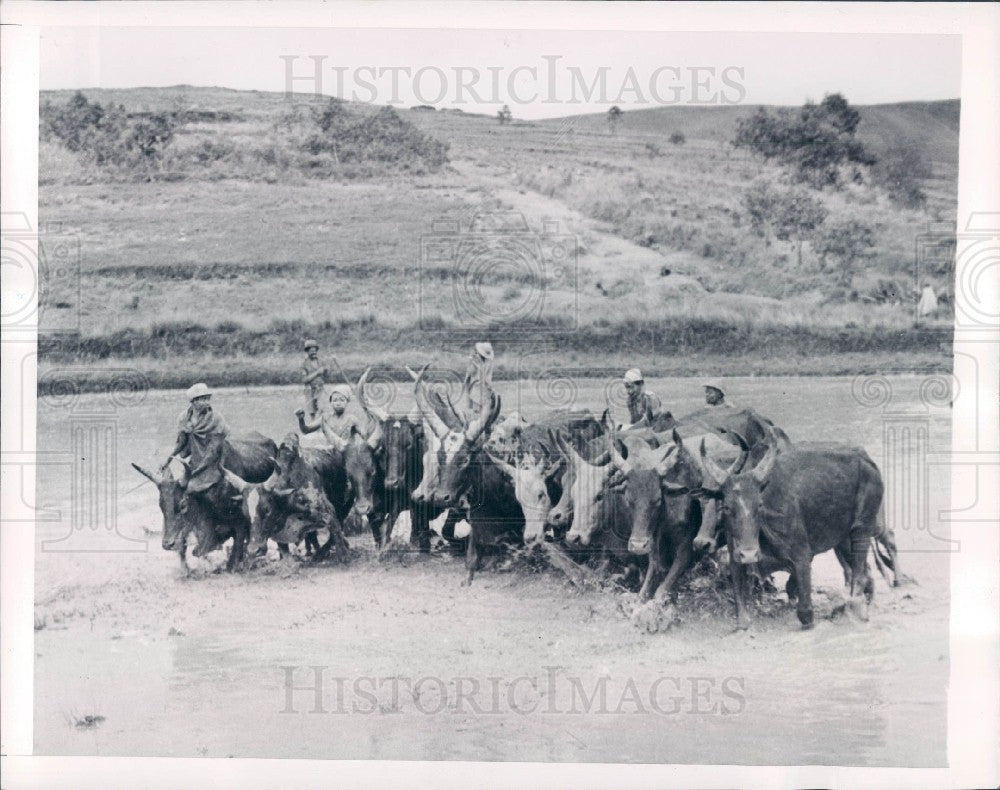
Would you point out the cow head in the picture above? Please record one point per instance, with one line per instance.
(561, 513)
(177, 523)
(460, 452)
(740, 494)
(459, 449)
(265, 506)
(532, 493)
(403, 441)
(362, 468)
(586, 492)
(637, 472)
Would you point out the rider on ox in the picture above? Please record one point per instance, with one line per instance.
(479, 380)
(313, 378)
(201, 433)
(336, 423)
(714, 396)
(640, 402)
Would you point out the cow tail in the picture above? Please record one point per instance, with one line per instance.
(881, 560)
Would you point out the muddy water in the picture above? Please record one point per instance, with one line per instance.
(518, 667)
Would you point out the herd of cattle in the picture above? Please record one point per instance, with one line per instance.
(650, 498)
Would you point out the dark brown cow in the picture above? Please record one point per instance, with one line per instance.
(211, 515)
(795, 505)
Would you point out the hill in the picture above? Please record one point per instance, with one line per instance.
(217, 262)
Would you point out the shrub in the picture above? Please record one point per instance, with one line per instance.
(678, 138)
(106, 134)
(846, 243)
(900, 172)
(815, 141)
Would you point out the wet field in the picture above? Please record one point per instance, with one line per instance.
(521, 666)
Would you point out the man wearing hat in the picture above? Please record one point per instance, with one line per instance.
(201, 433)
(313, 377)
(714, 396)
(479, 379)
(640, 402)
(337, 422)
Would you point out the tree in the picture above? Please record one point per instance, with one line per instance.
(678, 138)
(900, 172)
(614, 118)
(847, 243)
(793, 215)
(504, 115)
(814, 141)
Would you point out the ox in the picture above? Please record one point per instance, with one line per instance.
(361, 458)
(792, 506)
(309, 491)
(468, 474)
(210, 515)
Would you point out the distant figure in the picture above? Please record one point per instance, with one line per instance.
(479, 379)
(639, 401)
(313, 378)
(928, 302)
(200, 435)
(714, 396)
(337, 422)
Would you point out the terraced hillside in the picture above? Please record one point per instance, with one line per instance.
(633, 248)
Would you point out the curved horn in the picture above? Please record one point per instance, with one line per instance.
(359, 388)
(437, 425)
(763, 469)
(146, 473)
(235, 480)
(617, 457)
(480, 424)
(712, 469)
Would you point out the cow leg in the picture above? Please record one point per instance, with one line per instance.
(450, 522)
(420, 527)
(802, 563)
(241, 536)
(843, 552)
(376, 527)
(182, 552)
(654, 572)
(683, 559)
(471, 558)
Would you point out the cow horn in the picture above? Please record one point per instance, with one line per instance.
(235, 480)
(482, 423)
(156, 479)
(617, 457)
(360, 389)
(284, 493)
(714, 471)
(432, 418)
(763, 469)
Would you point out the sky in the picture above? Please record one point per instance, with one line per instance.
(538, 73)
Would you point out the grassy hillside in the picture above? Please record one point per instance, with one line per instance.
(216, 266)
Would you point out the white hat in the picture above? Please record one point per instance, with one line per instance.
(198, 390)
(342, 390)
(633, 376)
(715, 384)
(310, 343)
(485, 350)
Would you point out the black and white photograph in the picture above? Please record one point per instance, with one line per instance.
(610, 387)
